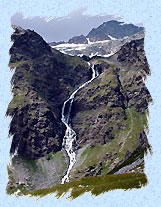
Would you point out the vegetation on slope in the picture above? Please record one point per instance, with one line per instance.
(113, 154)
(26, 174)
(95, 185)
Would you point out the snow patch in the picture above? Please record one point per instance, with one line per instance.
(122, 23)
(108, 55)
(112, 38)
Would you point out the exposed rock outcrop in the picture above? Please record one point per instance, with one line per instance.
(78, 40)
(109, 30)
(110, 115)
(42, 80)
(102, 46)
(113, 28)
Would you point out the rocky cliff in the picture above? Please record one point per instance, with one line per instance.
(43, 78)
(113, 28)
(109, 115)
(107, 31)
(78, 40)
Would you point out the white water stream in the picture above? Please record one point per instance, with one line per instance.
(70, 135)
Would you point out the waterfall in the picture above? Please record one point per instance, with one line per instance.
(70, 135)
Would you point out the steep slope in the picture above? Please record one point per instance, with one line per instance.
(113, 28)
(109, 30)
(110, 115)
(43, 79)
(78, 40)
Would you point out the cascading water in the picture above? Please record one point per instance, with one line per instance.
(70, 135)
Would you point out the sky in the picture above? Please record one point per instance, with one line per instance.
(53, 28)
(147, 12)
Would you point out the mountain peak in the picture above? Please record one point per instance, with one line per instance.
(109, 30)
(115, 29)
(81, 39)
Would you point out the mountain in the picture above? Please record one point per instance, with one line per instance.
(76, 117)
(43, 78)
(109, 116)
(103, 48)
(40, 86)
(113, 28)
(78, 40)
(107, 31)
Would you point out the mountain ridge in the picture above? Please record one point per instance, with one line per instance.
(28, 79)
(107, 31)
(109, 115)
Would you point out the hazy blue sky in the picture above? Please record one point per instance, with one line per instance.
(77, 22)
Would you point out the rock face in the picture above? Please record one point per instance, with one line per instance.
(132, 57)
(106, 31)
(99, 48)
(97, 36)
(57, 43)
(113, 28)
(109, 115)
(27, 175)
(78, 40)
(42, 80)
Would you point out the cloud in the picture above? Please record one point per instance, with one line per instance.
(77, 22)
(78, 12)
